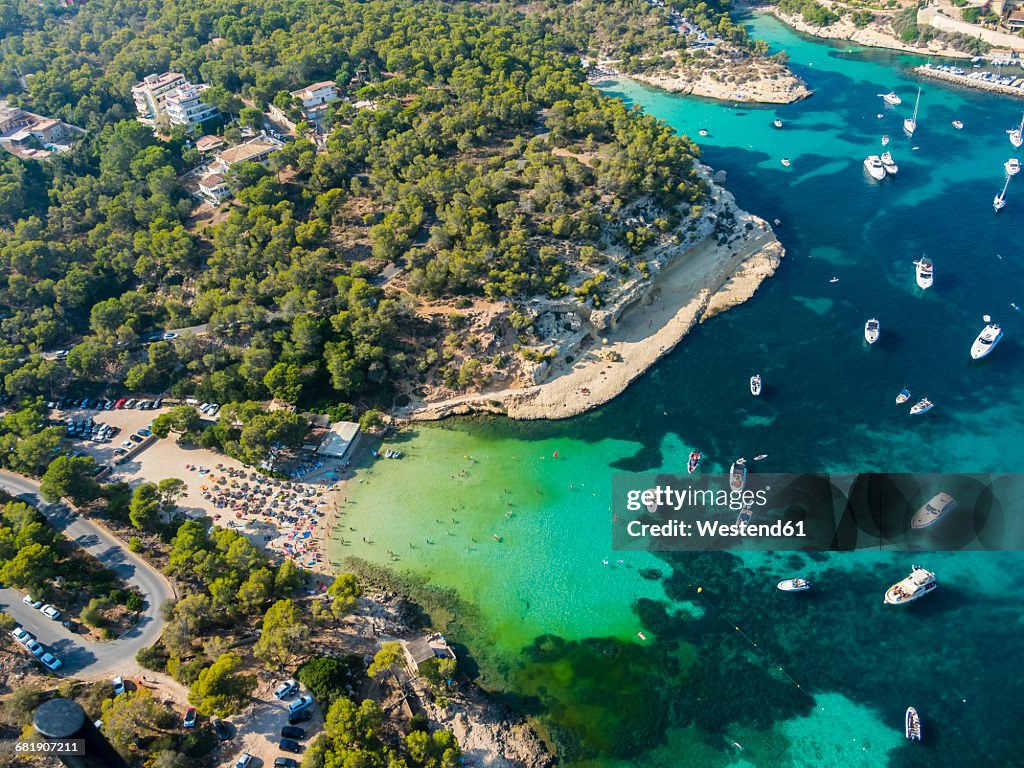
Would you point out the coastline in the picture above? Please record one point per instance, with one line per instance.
(770, 87)
(698, 283)
(870, 36)
(969, 82)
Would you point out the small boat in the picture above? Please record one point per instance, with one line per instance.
(887, 162)
(958, 125)
(918, 584)
(1017, 134)
(744, 516)
(794, 585)
(703, 132)
(641, 635)
(761, 456)
(891, 98)
(939, 505)
(693, 462)
(873, 165)
(496, 537)
(1012, 166)
(921, 406)
(925, 273)
(879, 115)
(903, 396)
(738, 475)
(913, 727)
(777, 123)
(885, 140)
(871, 331)
(990, 335)
(910, 124)
(834, 280)
(776, 222)
(755, 384)
(785, 161)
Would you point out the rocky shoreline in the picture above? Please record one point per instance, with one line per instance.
(616, 346)
(774, 84)
(969, 82)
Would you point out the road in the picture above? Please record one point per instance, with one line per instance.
(82, 658)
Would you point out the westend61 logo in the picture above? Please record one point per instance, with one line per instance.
(817, 512)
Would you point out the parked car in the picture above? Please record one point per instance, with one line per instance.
(301, 703)
(289, 745)
(120, 451)
(286, 689)
(21, 635)
(70, 625)
(286, 762)
(128, 443)
(50, 612)
(244, 760)
(130, 402)
(27, 600)
(221, 729)
(144, 432)
(158, 402)
(299, 717)
(60, 354)
(293, 732)
(118, 686)
(50, 661)
(134, 439)
(37, 649)
(120, 402)
(169, 335)
(190, 717)
(142, 405)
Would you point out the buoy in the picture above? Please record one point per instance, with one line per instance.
(699, 590)
(554, 455)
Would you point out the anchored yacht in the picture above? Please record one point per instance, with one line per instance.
(738, 475)
(1012, 166)
(891, 98)
(925, 272)
(755, 384)
(913, 727)
(918, 584)
(871, 331)
(933, 510)
(887, 162)
(873, 165)
(986, 341)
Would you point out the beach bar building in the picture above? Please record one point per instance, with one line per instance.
(338, 442)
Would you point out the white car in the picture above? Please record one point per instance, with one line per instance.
(118, 686)
(21, 635)
(37, 648)
(50, 612)
(50, 661)
(286, 689)
(27, 600)
(127, 444)
(244, 760)
(169, 335)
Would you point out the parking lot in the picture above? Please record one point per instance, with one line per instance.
(259, 730)
(127, 421)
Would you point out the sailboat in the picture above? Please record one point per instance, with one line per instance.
(1000, 200)
(1017, 134)
(910, 124)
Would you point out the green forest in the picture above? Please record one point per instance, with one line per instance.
(488, 168)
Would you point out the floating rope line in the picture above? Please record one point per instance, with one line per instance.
(721, 614)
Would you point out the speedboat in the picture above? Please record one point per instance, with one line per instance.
(921, 406)
(925, 272)
(918, 584)
(738, 475)
(873, 165)
(703, 132)
(903, 396)
(744, 516)
(755, 384)
(885, 140)
(1012, 166)
(891, 98)
(887, 162)
(933, 510)
(785, 161)
(794, 585)
(777, 123)
(871, 331)
(986, 341)
(693, 462)
(913, 728)
(958, 125)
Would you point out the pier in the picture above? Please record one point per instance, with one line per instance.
(973, 82)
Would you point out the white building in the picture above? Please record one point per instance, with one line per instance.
(185, 106)
(255, 151)
(338, 442)
(315, 97)
(151, 94)
(214, 188)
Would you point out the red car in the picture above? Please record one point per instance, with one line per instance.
(120, 403)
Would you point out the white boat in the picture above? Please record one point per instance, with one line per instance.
(918, 584)
(933, 510)
(785, 161)
(887, 162)
(999, 201)
(703, 132)
(921, 406)
(910, 124)
(738, 475)
(693, 462)
(991, 335)
(755, 384)
(760, 456)
(777, 123)
(873, 165)
(913, 725)
(871, 331)
(891, 98)
(834, 280)
(1012, 166)
(903, 396)
(925, 273)
(885, 140)
(794, 585)
(1017, 134)
(958, 125)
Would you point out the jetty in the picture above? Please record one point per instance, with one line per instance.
(975, 79)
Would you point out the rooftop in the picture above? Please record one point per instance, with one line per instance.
(155, 81)
(206, 143)
(213, 180)
(246, 151)
(314, 87)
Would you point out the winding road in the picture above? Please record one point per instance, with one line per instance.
(80, 657)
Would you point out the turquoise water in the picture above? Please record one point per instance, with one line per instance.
(739, 673)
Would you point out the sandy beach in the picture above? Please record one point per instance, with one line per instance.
(699, 283)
